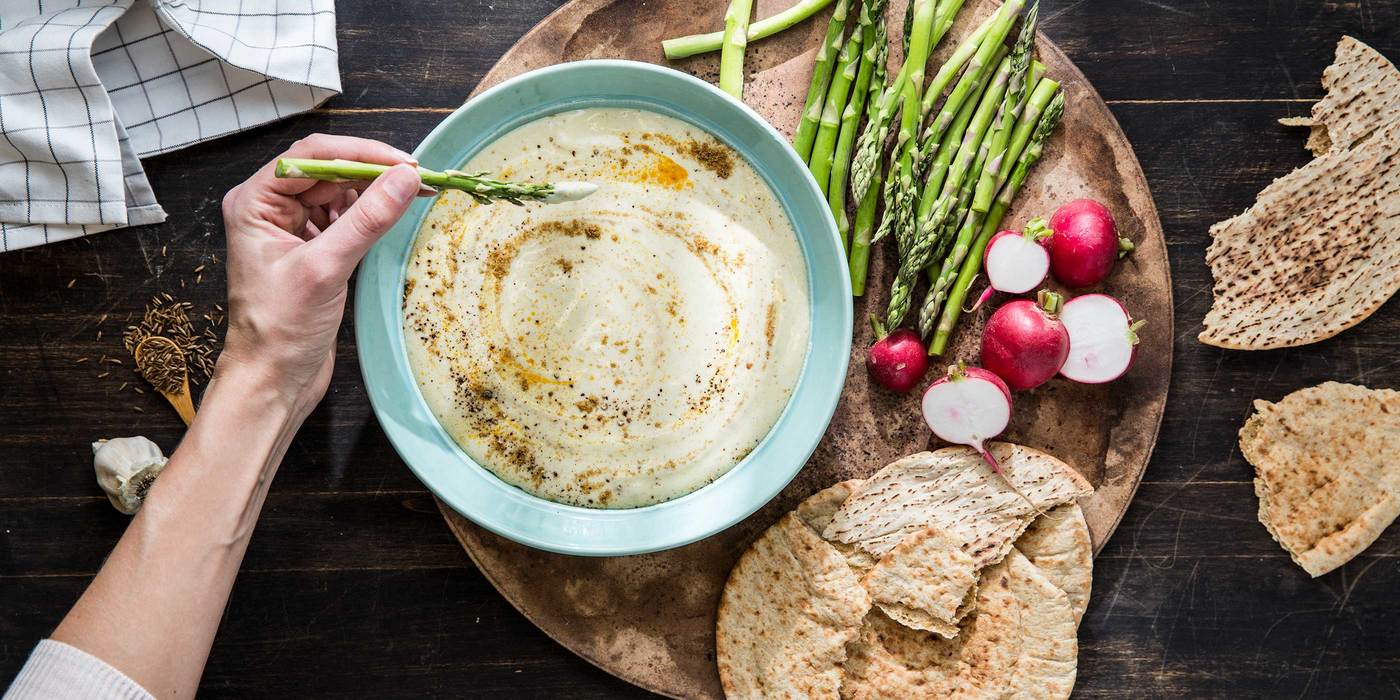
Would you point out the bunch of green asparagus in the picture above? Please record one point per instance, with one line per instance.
(964, 146)
(963, 141)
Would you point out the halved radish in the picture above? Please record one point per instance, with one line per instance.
(1102, 339)
(1015, 262)
(1024, 342)
(968, 407)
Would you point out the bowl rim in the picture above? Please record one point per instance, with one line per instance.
(397, 401)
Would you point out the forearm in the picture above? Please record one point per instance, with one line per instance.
(153, 609)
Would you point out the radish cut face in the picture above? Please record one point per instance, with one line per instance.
(1016, 264)
(1102, 339)
(967, 408)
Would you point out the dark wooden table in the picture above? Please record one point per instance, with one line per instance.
(353, 585)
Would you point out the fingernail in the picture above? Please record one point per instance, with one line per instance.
(407, 157)
(401, 188)
(426, 191)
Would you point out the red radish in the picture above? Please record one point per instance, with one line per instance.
(898, 361)
(967, 407)
(1024, 342)
(1102, 339)
(1015, 262)
(1085, 243)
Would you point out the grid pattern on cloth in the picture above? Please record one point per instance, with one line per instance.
(89, 87)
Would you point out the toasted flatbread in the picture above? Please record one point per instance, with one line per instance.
(1363, 91)
(817, 510)
(790, 606)
(1020, 643)
(926, 582)
(1058, 544)
(1320, 249)
(1325, 470)
(954, 490)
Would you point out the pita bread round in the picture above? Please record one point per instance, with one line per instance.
(1058, 544)
(790, 606)
(1019, 643)
(1324, 463)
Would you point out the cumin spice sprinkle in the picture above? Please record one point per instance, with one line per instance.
(712, 156)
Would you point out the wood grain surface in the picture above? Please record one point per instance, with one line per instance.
(354, 588)
(650, 619)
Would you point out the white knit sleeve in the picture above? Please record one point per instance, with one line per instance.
(57, 670)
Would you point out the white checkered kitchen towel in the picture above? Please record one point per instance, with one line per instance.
(88, 87)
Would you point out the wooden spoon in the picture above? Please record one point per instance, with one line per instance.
(162, 363)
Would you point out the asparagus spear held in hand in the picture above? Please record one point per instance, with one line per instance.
(483, 189)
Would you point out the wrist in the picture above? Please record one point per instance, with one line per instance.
(263, 382)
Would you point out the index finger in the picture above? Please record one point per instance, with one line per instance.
(327, 147)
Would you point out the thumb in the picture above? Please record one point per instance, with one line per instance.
(370, 217)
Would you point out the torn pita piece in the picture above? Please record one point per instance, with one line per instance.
(1058, 544)
(1320, 249)
(926, 582)
(1325, 470)
(954, 490)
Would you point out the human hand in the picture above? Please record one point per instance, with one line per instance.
(292, 245)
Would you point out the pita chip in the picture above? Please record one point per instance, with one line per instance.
(786, 614)
(1325, 470)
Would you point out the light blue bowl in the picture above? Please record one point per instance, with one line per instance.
(506, 510)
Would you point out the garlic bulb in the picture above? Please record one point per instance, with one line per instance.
(126, 468)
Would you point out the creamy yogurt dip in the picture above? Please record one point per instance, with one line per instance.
(621, 350)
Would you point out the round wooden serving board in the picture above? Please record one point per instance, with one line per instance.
(650, 619)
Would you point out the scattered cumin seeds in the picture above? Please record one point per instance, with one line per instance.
(72, 282)
(199, 269)
(80, 360)
(138, 390)
(138, 409)
(103, 375)
(162, 251)
(123, 386)
(99, 334)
